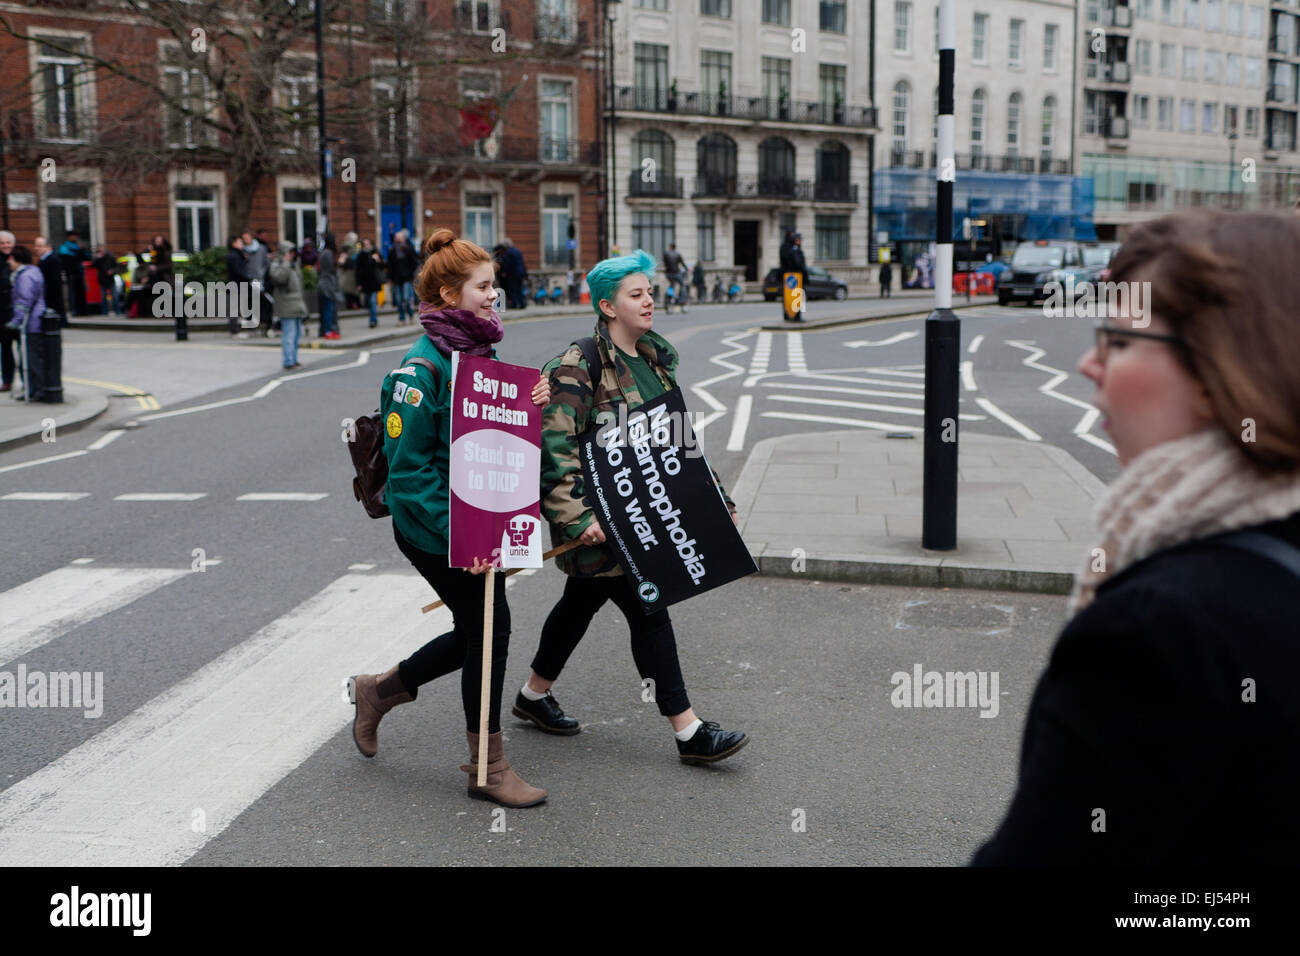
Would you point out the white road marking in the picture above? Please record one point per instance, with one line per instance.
(162, 496)
(1007, 420)
(893, 339)
(49, 606)
(1099, 442)
(717, 409)
(1081, 430)
(832, 420)
(975, 344)
(859, 380)
(82, 561)
(968, 376)
(865, 406)
(361, 567)
(284, 496)
(46, 496)
(876, 392)
(762, 356)
(902, 371)
(740, 423)
(794, 349)
(217, 741)
(41, 461)
(106, 439)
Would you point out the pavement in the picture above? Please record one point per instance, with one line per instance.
(21, 424)
(847, 506)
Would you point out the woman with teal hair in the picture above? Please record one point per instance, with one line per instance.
(636, 365)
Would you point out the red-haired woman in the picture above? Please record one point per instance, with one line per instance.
(456, 292)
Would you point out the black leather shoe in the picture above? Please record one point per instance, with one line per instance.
(711, 743)
(546, 714)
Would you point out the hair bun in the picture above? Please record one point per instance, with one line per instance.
(438, 240)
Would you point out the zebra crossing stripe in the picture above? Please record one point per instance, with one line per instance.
(157, 785)
(47, 607)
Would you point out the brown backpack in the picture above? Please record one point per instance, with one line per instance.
(366, 446)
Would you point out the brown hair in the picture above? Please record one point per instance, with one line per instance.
(1227, 284)
(448, 261)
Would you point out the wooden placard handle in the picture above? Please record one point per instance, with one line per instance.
(567, 546)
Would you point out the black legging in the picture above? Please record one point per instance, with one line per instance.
(654, 648)
(462, 647)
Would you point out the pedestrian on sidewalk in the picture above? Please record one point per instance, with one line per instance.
(402, 266)
(370, 278)
(73, 255)
(286, 287)
(161, 273)
(1164, 731)
(513, 274)
(8, 336)
(348, 271)
(327, 287)
(456, 310)
(886, 278)
(698, 277)
(257, 252)
(637, 365)
(237, 272)
(106, 271)
(30, 320)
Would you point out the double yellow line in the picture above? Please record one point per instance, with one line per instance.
(143, 398)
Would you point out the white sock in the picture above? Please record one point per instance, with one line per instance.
(686, 733)
(530, 694)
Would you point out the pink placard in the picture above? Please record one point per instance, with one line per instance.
(495, 466)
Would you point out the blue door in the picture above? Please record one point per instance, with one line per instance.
(395, 213)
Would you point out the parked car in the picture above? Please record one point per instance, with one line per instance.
(821, 285)
(1097, 258)
(1035, 264)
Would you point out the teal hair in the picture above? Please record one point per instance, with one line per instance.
(604, 278)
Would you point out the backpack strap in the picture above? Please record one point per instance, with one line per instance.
(427, 364)
(1267, 546)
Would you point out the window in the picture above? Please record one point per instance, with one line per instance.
(776, 167)
(1165, 113)
(831, 85)
(1213, 66)
(1283, 35)
(556, 107)
(1208, 113)
(654, 230)
(652, 4)
(715, 8)
(1252, 120)
(715, 70)
(61, 92)
(68, 209)
(394, 116)
(475, 87)
(477, 15)
(1191, 13)
(555, 230)
(1048, 128)
(1168, 11)
(1142, 9)
(715, 165)
(704, 235)
(1234, 18)
(902, 107)
(480, 219)
(196, 218)
(833, 16)
(977, 123)
(1254, 72)
(980, 46)
(1013, 124)
(902, 27)
(298, 97)
(1090, 103)
(1191, 56)
(777, 12)
(1015, 41)
(776, 86)
(833, 172)
(1232, 74)
(657, 147)
(650, 76)
(1187, 116)
(1230, 119)
(1049, 48)
(832, 237)
(1213, 14)
(1255, 23)
(1141, 111)
(300, 214)
(391, 11)
(186, 86)
(1142, 54)
(1168, 59)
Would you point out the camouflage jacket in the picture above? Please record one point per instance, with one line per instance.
(574, 409)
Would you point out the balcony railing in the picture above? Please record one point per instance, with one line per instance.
(828, 191)
(920, 159)
(773, 187)
(480, 19)
(1277, 93)
(695, 103)
(75, 127)
(559, 31)
(658, 188)
(1115, 127)
(545, 149)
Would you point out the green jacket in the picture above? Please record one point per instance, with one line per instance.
(415, 412)
(573, 409)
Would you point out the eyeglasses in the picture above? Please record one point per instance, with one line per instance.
(1106, 332)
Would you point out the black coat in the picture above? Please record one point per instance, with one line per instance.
(236, 265)
(1141, 714)
(792, 260)
(370, 272)
(52, 269)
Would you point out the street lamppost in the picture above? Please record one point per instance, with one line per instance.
(1232, 162)
(611, 15)
(326, 157)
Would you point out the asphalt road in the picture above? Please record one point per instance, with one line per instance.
(100, 584)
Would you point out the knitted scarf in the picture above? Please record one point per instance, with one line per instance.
(1192, 487)
(458, 330)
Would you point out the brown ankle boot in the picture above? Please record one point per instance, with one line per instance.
(374, 695)
(503, 785)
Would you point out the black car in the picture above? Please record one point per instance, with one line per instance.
(821, 285)
(1036, 264)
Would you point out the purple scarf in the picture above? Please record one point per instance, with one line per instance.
(458, 330)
